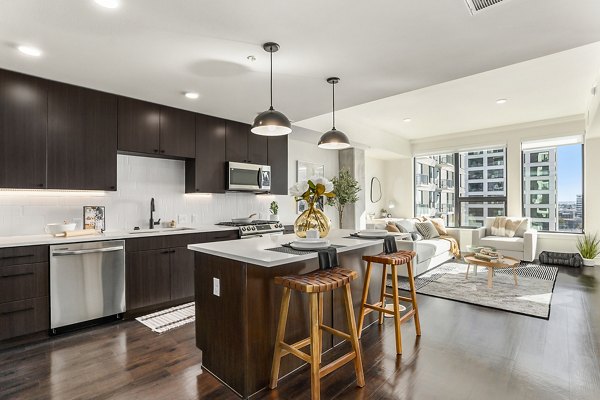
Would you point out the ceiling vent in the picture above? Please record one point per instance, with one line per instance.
(477, 5)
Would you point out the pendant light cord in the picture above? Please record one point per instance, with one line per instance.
(333, 105)
(271, 48)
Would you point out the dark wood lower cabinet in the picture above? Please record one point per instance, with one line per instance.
(24, 284)
(182, 273)
(148, 278)
(23, 317)
(160, 269)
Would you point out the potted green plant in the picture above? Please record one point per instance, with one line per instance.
(589, 248)
(346, 190)
(274, 208)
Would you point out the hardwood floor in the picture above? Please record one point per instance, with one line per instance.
(466, 352)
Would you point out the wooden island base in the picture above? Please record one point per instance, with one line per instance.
(236, 330)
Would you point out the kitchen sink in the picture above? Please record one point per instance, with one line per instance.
(158, 230)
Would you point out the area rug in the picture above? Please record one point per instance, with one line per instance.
(170, 318)
(531, 297)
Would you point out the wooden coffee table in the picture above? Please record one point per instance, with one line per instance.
(506, 262)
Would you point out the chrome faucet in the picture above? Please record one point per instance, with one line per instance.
(152, 209)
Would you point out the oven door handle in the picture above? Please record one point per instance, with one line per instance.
(88, 251)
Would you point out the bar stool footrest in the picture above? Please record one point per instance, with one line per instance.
(376, 307)
(335, 332)
(332, 366)
(287, 349)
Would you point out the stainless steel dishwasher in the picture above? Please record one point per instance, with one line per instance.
(87, 282)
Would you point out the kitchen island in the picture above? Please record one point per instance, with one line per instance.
(237, 304)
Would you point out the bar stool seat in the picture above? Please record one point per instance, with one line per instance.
(315, 284)
(394, 260)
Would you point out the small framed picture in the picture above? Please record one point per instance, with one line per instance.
(302, 205)
(94, 218)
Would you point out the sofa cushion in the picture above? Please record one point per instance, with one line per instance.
(427, 229)
(503, 243)
(406, 225)
(439, 225)
(429, 248)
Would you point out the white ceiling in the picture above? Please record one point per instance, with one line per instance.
(548, 87)
(154, 50)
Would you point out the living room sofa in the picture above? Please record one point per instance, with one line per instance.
(430, 252)
(522, 246)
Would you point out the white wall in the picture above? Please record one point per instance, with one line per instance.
(141, 178)
(374, 168)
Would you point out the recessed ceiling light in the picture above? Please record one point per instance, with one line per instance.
(30, 51)
(407, 119)
(108, 3)
(251, 58)
(501, 101)
(191, 95)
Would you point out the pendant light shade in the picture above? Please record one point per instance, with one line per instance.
(334, 139)
(271, 122)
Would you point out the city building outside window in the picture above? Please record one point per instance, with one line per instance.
(462, 188)
(553, 184)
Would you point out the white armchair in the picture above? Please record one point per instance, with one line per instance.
(522, 246)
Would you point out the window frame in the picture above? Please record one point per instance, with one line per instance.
(582, 192)
(478, 199)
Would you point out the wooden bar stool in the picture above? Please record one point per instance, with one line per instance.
(394, 260)
(315, 284)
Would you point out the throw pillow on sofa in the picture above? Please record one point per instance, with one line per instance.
(406, 225)
(439, 225)
(391, 227)
(427, 229)
(512, 226)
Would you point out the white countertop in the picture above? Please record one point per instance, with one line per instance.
(32, 240)
(254, 250)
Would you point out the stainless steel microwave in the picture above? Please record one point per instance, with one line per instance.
(248, 177)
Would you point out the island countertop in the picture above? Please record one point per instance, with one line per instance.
(255, 250)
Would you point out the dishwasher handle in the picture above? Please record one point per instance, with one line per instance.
(89, 251)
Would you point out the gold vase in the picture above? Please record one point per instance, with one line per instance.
(313, 218)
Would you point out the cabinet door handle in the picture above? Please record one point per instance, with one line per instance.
(17, 256)
(156, 150)
(16, 311)
(15, 275)
(162, 151)
(165, 252)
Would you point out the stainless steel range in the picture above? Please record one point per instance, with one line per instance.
(257, 228)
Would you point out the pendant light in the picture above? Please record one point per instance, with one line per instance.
(334, 139)
(271, 122)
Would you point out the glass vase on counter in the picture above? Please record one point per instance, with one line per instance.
(309, 192)
(312, 218)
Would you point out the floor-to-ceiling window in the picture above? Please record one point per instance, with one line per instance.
(553, 184)
(462, 188)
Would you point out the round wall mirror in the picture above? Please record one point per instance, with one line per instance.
(375, 190)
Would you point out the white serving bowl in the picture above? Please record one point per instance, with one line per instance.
(53, 229)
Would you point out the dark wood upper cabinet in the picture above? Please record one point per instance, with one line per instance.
(139, 126)
(257, 149)
(206, 173)
(177, 132)
(278, 160)
(245, 146)
(82, 138)
(237, 141)
(148, 128)
(23, 128)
